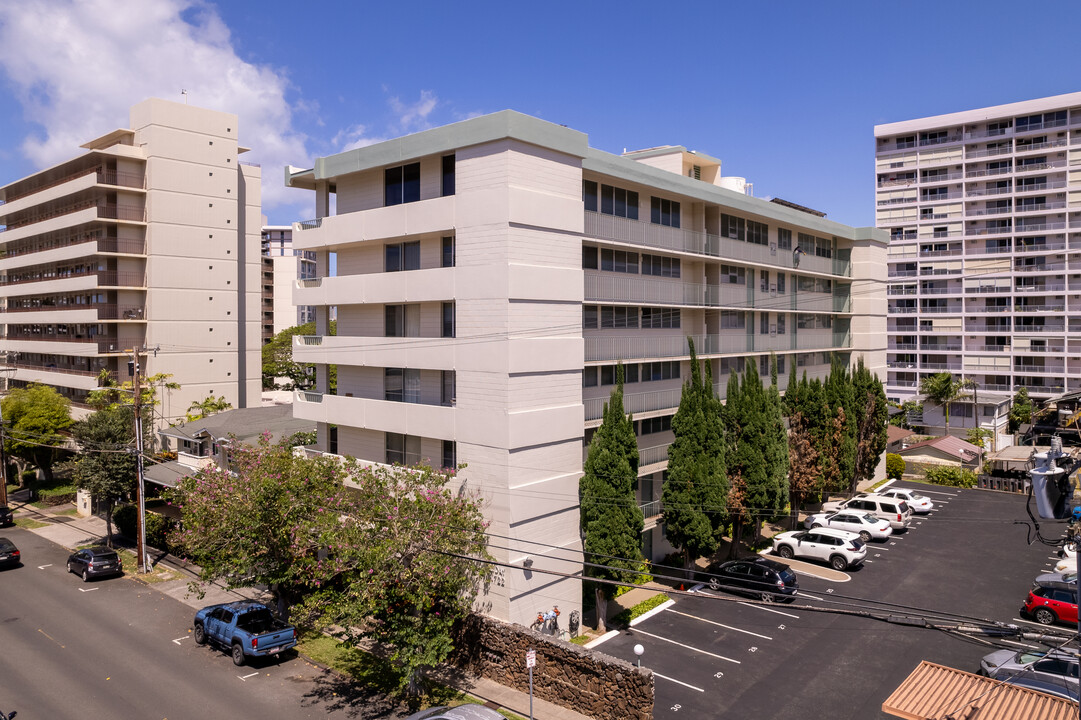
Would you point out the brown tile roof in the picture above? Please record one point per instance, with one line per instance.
(894, 433)
(937, 692)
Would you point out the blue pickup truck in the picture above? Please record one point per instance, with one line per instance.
(246, 628)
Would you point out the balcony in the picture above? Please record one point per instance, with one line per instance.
(982, 192)
(939, 347)
(635, 403)
(988, 172)
(430, 216)
(1039, 166)
(1041, 288)
(107, 211)
(1023, 247)
(987, 152)
(1039, 207)
(1039, 187)
(1043, 267)
(102, 177)
(895, 310)
(1048, 308)
(407, 418)
(603, 348)
(941, 177)
(71, 314)
(609, 287)
(634, 232)
(90, 280)
(950, 138)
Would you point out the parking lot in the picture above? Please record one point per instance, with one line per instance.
(725, 656)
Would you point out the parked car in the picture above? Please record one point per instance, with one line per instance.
(1054, 667)
(865, 525)
(97, 561)
(247, 628)
(893, 509)
(7, 516)
(839, 548)
(1066, 579)
(766, 579)
(9, 554)
(920, 504)
(1049, 604)
(471, 711)
(1043, 686)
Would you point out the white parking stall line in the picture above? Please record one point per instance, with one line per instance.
(90, 590)
(602, 639)
(1030, 646)
(689, 647)
(177, 641)
(1028, 622)
(42, 567)
(659, 609)
(727, 627)
(677, 682)
(924, 491)
(800, 593)
(245, 677)
(762, 607)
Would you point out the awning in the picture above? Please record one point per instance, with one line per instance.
(937, 692)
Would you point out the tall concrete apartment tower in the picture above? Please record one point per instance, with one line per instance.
(149, 239)
(983, 210)
(282, 267)
(490, 275)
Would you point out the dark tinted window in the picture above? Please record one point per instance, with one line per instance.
(589, 194)
(1065, 596)
(448, 175)
(226, 616)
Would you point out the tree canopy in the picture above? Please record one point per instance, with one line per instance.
(278, 361)
(941, 389)
(105, 466)
(35, 418)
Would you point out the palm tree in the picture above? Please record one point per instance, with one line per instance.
(941, 389)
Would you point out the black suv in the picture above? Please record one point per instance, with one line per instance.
(7, 515)
(95, 562)
(766, 579)
(9, 554)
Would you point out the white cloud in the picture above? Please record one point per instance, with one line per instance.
(414, 117)
(354, 136)
(78, 65)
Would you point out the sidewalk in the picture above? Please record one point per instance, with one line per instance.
(72, 531)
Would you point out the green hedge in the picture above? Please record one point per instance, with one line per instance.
(950, 476)
(625, 617)
(157, 526)
(57, 495)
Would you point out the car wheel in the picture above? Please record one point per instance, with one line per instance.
(865, 536)
(200, 635)
(815, 526)
(1045, 616)
(86, 576)
(786, 552)
(69, 567)
(767, 597)
(838, 562)
(714, 583)
(238, 654)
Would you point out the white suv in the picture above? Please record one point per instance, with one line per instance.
(841, 549)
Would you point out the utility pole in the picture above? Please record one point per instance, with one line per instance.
(140, 490)
(3, 456)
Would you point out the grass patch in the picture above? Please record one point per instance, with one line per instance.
(625, 617)
(879, 484)
(375, 673)
(29, 523)
(581, 639)
(69, 512)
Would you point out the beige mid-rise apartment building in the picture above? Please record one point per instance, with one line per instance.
(149, 242)
(983, 210)
(491, 273)
(282, 267)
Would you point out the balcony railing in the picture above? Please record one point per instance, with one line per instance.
(635, 402)
(308, 224)
(104, 177)
(105, 345)
(1044, 267)
(599, 348)
(53, 368)
(1045, 287)
(105, 278)
(651, 509)
(106, 311)
(1039, 207)
(105, 210)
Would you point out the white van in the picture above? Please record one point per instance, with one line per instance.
(893, 509)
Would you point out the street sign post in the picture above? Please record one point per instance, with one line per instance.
(530, 662)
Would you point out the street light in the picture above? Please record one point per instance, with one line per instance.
(638, 650)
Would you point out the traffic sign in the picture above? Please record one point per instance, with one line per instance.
(531, 658)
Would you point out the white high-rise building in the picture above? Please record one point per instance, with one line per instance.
(983, 210)
(146, 242)
(282, 267)
(491, 273)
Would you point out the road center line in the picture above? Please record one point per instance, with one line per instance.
(177, 641)
(762, 607)
(689, 647)
(245, 677)
(677, 682)
(727, 627)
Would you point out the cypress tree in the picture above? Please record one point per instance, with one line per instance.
(871, 429)
(611, 519)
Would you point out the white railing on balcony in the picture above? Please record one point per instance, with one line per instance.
(651, 509)
(616, 287)
(636, 402)
(652, 455)
(599, 348)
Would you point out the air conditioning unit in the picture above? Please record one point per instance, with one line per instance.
(773, 248)
(773, 331)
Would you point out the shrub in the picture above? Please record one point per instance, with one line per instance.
(28, 476)
(57, 496)
(625, 617)
(124, 518)
(895, 466)
(950, 476)
(158, 526)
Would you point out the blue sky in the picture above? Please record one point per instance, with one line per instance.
(786, 94)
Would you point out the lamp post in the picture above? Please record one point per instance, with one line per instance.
(638, 650)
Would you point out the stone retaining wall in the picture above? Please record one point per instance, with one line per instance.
(585, 681)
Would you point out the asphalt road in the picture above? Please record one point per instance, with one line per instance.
(115, 648)
(718, 656)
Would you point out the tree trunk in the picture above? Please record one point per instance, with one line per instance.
(109, 505)
(602, 609)
(793, 523)
(737, 536)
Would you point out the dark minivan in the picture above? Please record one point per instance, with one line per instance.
(94, 562)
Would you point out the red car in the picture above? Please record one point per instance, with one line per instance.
(1053, 602)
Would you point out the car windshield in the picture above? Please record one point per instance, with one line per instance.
(868, 518)
(1026, 658)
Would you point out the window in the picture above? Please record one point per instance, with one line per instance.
(784, 239)
(619, 261)
(660, 266)
(812, 322)
(401, 385)
(401, 184)
(733, 275)
(664, 370)
(664, 212)
(780, 363)
(402, 256)
(402, 321)
(763, 280)
(823, 248)
(589, 195)
(447, 387)
(450, 454)
(781, 283)
(730, 365)
(448, 252)
(757, 233)
(763, 323)
(733, 227)
(448, 175)
(619, 202)
(589, 377)
(763, 365)
(589, 257)
(660, 317)
(781, 323)
(402, 449)
(589, 317)
(448, 320)
(619, 317)
(732, 319)
(608, 374)
(655, 425)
